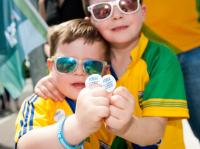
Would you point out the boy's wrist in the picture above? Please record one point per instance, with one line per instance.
(73, 128)
(80, 127)
(61, 137)
(128, 127)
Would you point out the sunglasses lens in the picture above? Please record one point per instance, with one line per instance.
(128, 6)
(93, 67)
(101, 11)
(66, 64)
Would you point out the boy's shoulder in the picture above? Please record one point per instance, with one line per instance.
(37, 101)
(158, 50)
(158, 55)
(155, 46)
(35, 98)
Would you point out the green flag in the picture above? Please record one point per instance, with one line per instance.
(21, 31)
(198, 8)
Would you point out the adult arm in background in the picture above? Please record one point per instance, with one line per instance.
(42, 9)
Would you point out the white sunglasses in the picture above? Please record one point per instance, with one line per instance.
(103, 10)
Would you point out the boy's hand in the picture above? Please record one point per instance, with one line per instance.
(46, 88)
(92, 107)
(121, 110)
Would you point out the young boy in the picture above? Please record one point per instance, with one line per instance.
(149, 70)
(77, 50)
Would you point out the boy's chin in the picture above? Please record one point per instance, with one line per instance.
(73, 96)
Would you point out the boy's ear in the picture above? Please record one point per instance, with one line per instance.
(144, 9)
(87, 18)
(50, 63)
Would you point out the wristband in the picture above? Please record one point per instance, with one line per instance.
(61, 137)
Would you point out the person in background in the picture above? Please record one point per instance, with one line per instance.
(58, 11)
(180, 30)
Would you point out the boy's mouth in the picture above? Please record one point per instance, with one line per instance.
(78, 85)
(119, 28)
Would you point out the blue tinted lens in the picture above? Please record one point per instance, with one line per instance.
(66, 64)
(93, 67)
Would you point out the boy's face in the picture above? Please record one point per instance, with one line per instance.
(71, 83)
(119, 27)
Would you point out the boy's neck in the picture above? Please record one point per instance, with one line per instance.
(122, 50)
(121, 55)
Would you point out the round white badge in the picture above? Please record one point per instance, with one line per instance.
(109, 83)
(93, 81)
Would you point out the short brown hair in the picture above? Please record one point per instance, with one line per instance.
(85, 4)
(71, 30)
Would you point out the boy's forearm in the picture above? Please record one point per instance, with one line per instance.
(46, 137)
(41, 138)
(73, 132)
(145, 130)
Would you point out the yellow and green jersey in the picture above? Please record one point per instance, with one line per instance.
(37, 112)
(155, 80)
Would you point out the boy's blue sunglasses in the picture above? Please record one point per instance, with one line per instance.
(104, 10)
(70, 64)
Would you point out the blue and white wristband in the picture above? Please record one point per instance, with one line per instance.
(61, 137)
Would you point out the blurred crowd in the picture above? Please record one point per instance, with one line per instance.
(53, 12)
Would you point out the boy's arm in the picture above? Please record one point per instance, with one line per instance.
(46, 137)
(145, 130)
(141, 131)
(46, 88)
(76, 127)
(34, 128)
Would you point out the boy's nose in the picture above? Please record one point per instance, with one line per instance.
(79, 70)
(117, 14)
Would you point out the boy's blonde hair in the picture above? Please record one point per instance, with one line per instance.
(69, 31)
(86, 3)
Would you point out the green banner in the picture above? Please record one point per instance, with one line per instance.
(198, 9)
(21, 30)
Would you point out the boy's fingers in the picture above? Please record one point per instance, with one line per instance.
(99, 91)
(102, 111)
(122, 91)
(39, 93)
(54, 96)
(48, 94)
(101, 101)
(118, 101)
(58, 95)
(112, 122)
(52, 91)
